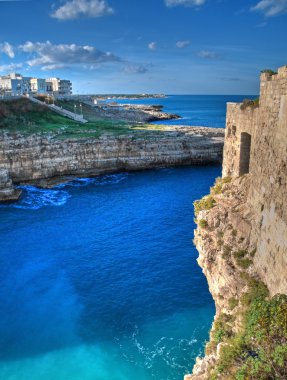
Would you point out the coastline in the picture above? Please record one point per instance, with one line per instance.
(41, 159)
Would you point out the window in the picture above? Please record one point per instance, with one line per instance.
(245, 146)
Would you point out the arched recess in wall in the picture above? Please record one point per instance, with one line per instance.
(245, 147)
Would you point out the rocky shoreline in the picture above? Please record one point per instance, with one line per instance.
(8, 192)
(134, 113)
(46, 160)
(148, 113)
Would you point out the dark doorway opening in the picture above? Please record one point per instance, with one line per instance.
(245, 145)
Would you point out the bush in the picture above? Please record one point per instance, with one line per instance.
(232, 303)
(240, 254)
(268, 71)
(203, 223)
(259, 351)
(222, 329)
(206, 203)
(226, 252)
(217, 188)
(249, 103)
(243, 263)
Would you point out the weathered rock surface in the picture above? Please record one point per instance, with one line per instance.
(37, 157)
(228, 229)
(7, 191)
(250, 213)
(147, 113)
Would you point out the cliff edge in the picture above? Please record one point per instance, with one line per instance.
(241, 237)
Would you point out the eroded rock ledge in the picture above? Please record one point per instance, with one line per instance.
(38, 157)
(8, 192)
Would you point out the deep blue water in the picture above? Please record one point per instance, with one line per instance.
(196, 110)
(99, 279)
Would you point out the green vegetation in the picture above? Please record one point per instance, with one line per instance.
(240, 254)
(222, 328)
(23, 116)
(206, 203)
(268, 71)
(217, 188)
(259, 349)
(232, 303)
(244, 263)
(226, 252)
(203, 223)
(249, 103)
(256, 289)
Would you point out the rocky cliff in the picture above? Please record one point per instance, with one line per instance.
(37, 157)
(242, 242)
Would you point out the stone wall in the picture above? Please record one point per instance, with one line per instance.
(267, 127)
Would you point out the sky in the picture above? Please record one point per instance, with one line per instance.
(145, 46)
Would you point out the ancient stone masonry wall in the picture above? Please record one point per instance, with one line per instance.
(38, 157)
(267, 127)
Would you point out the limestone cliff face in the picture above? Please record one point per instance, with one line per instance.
(242, 226)
(227, 229)
(7, 191)
(38, 157)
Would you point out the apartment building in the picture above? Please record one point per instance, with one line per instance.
(16, 85)
(58, 86)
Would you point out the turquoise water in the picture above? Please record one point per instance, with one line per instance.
(99, 279)
(196, 110)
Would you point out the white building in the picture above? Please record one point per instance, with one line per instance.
(38, 86)
(11, 84)
(16, 85)
(57, 86)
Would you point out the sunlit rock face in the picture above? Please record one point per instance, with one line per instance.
(7, 191)
(37, 157)
(249, 214)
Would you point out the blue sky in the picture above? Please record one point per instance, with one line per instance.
(140, 46)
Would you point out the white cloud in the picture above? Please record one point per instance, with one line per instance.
(11, 67)
(152, 45)
(182, 44)
(271, 7)
(53, 67)
(7, 49)
(185, 3)
(73, 9)
(48, 55)
(207, 54)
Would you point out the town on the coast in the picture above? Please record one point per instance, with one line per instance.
(16, 84)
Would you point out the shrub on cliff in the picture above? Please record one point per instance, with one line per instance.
(217, 188)
(203, 223)
(266, 340)
(249, 103)
(259, 350)
(206, 203)
(268, 71)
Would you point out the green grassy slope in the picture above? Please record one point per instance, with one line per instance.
(23, 116)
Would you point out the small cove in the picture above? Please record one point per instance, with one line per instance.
(99, 278)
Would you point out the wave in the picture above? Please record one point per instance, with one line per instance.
(175, 354)
(34, 198)
(108, 179)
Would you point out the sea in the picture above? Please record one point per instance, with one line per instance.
(195, 110)
(99, 278)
